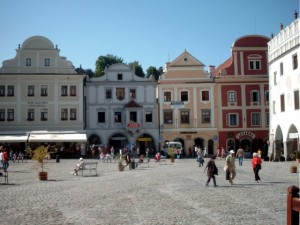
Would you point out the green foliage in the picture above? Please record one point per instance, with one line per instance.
(39, 155)
(106, 61)
(138, 70)
(154, 72)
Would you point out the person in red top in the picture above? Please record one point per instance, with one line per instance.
(256, 165)
(5, 160)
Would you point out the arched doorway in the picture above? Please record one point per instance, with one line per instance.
(246, 144)
(118, 141)
(292, 141)
(94, 139)
(146, 141)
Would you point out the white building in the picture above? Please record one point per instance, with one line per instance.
(122, 110)
(41, 96)
(284, 86)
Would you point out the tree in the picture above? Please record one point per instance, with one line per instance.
(155, 72)
(138, 70)
(105, 61)
(88, 72)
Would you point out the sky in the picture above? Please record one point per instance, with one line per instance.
(151, 32)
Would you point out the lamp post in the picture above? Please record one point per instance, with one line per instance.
(271, 147)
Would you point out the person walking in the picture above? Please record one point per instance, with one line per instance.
(200, 157)
(256, 165)
(240, 155)
(212, 170)
(230, 167)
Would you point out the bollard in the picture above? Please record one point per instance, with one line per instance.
(57, 158)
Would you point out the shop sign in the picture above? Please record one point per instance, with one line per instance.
(145, 139)
(133, 125)
(245, 133)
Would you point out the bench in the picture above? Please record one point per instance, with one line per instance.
(146, 161)
(4, 174)
(89, 166)
(163, 159)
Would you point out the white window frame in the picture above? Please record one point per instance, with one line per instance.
(44, 90)
(28, 62)
(10, 114)
(228, 119)
(73, 114)
(46, 62)
(44, 114)
(255, 119)
(30, 114)
(30, 90)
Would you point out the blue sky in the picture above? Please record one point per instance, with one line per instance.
(149, 31)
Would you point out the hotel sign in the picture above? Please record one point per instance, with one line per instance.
(245, 133)
(177, 105)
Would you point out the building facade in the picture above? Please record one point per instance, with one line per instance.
(41, 97)
(243, 96)
(284, 91)
(122, 110)
(187, 105)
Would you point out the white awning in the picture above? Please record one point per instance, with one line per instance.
(52, 137)
(13, 138)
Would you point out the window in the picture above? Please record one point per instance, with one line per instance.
(132, 94)
(205, 114)
(120, 93)
(255, 119)
(254, 96)
(254, 64)
(73, 90)
(267, 119)
(10, 115)
(118, 117)
(232, 119)
(167, 96)
(295, 61)
(64, 90)
(168, 116)
(231, 95)
(108, 94)
(133, 116)
(28, 62)
(2, 114)
(30, 115)
(44, 90)
(275, 78)
(205, 95)
(281, 69)
(296, 99)
(282, 103)
(47, 62)
(149, 117)
(2, 90)
(10, 90)
(120, 76)
(30, 90)
(184, 96)
(267, 96)
(274, 107)
(64, 114)
(184, 116)
(101, 117)
(44, 114)
(73, 114)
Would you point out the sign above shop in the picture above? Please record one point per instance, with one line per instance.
(245, 133)
(177, 105)
(133, 125)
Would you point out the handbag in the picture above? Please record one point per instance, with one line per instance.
(258, 166)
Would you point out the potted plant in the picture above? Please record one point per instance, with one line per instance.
(293, 167)
(39, 155)
(120, 160)
(171, 152)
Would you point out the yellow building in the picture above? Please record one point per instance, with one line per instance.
(186, 105)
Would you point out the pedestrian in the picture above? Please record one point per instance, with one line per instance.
(240, 155)
(78, 166)
(259, 152)
(256, 165)
(212, 170)
(218, 153)
(223, 153)
(200, 157)
(230, 167)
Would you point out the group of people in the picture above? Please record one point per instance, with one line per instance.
(229, 167)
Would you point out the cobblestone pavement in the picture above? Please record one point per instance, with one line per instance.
(160, 194)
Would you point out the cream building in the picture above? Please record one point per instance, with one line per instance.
(41, 96)
(187, 105)
(122, 110)
(284, 86)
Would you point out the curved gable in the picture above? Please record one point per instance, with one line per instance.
(251, 41)
(37, 42)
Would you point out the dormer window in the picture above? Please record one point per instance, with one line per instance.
(120, 76)
(28, 62)
(47, 62)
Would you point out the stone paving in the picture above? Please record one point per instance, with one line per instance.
(161, 194)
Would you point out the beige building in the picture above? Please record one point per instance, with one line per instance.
(186, 100)
(41, 96)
